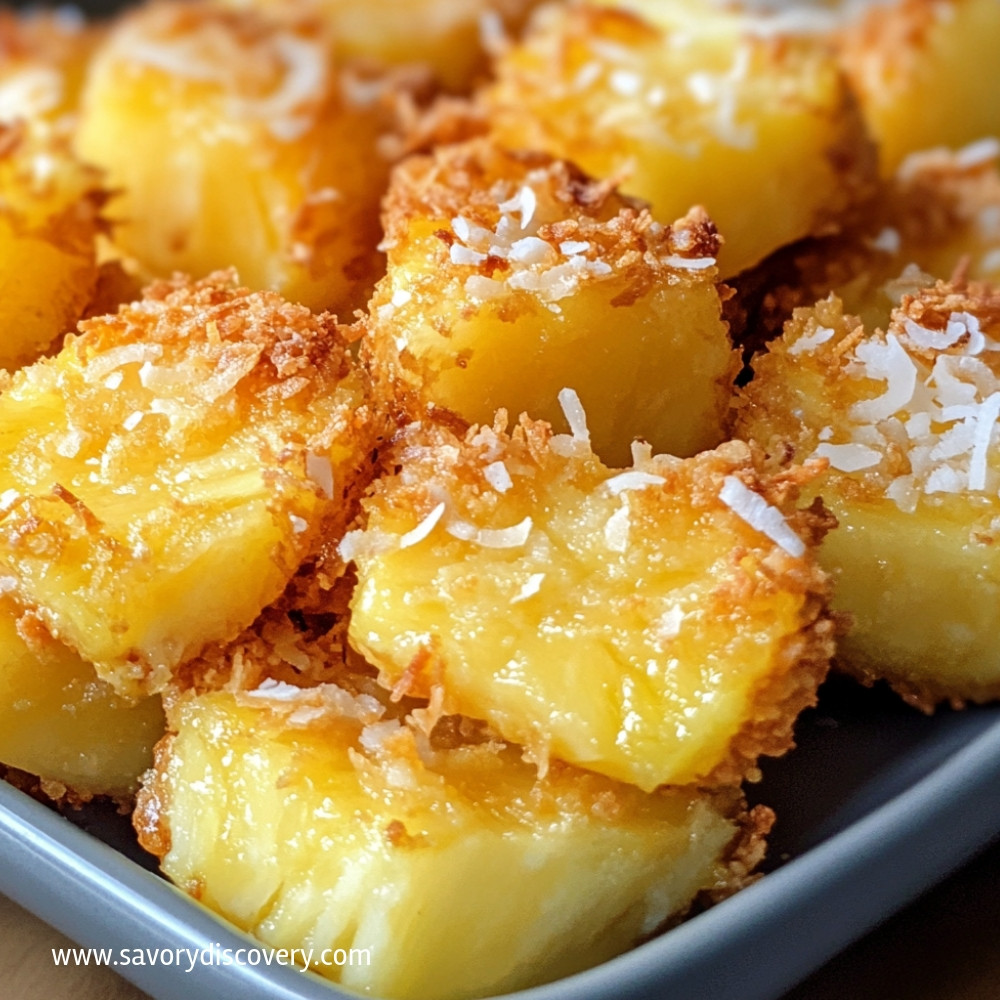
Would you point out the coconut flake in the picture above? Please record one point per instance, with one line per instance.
(849, 457)
(689, 263)
(811, 341)
(99, 367)
(976, 153)
(491, 538)
(423, 529)
(752, 508)
(909, 282)
(985, 422)
(505, 538)
(575, 415)
(531, 250)
(530, 587)
(320, 470)
(478, 286)
(632, 480)
(463, 255)
(525, 202)
(350, 545)
(497, 475)
(891, 363)
(617, 528)
(933, 339)
(888, 241)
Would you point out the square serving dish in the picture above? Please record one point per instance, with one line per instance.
(876, 804)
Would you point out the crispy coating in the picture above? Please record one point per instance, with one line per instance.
(324, 799)
(938, 217)
(167, 473)
(512, 275)
(237, 139)
(51, 216)
(906, 419)
(632, 622)
(926, 73)
(689, 108)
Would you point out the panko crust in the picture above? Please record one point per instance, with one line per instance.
(504, 266)
(898, 415)
(433, 462)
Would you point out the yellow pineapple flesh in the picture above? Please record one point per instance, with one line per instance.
(50, 219)
(937, 217)
(512, 275)
(447, 867)
(165, 474)
(60, 722)
(236, 140)
(631, 622)
(925, 73)
(688, 108)
(452, 38)
(906, 418)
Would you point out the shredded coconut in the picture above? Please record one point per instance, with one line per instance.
(498, 476)
(760, 515)
(575, 415)
(491, 538)
(617, 528)
(632, 480)
(320, 471)
(811, 341)
(530, 587)
(849, 457)
(891, 363)
(423, 529)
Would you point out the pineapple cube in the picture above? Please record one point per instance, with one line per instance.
(925, 73)
(907, 420)
(236, 140)
(660, 625)
(50, 219)
(937, 217)
(44, 55)
(688, 108)
(165, 474)
(512, 275)
(60, 722)
(450, 37)
(447, 868)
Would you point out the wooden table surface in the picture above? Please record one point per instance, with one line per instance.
(946, 946)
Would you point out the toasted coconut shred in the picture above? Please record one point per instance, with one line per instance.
(938, 410)
(760, 515)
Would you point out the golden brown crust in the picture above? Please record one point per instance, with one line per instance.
(925, 694)
(152, 804)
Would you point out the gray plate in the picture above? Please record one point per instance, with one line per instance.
(875, 805)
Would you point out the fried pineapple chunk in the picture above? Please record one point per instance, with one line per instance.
(907, 420)
(448, 867)
(50, 219)
(450, 37)
(938, 217)
(926, 73)
(43, 59)
(166, 473)
(237, 141)
(687, 109)
(511, 275)
(60, 722)
(635, 623)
